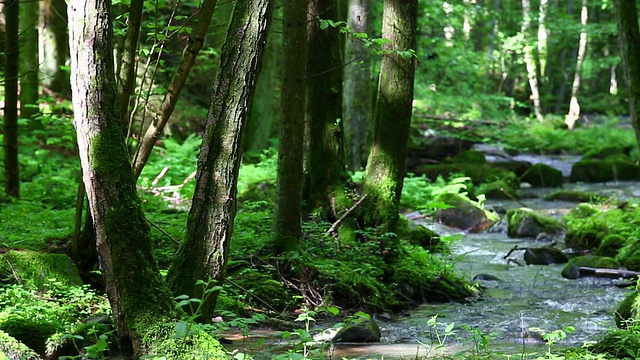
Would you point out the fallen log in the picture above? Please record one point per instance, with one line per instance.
(610, 273)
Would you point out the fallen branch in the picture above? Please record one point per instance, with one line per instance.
(512, 197)
(341, 219)
(615, 273)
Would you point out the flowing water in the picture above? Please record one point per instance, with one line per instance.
(523, 298)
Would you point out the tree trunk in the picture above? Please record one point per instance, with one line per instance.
(357, 87)
(385, 170)
(30, 63)
(10, 123)
(326, 161)
(529, 61)
(141, 303)
(266, 103)
(288, 213)
(205, 250)
(127, 69)
(629, 36)
(54, 48)
(196, 40)
(574, 106)
(542, 37)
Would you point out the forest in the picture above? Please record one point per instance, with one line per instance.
(310, 179)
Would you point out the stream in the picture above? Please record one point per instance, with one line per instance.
(525, 297)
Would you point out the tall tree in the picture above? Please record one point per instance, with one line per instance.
(288, 213)
(357, 87)
(574, 106)
(29, 64)
(527, 52)
(54, 45)
(385, 170)
(141, 303)
(10, 122)
(629, 37)
(205, 251)
(326, 164)
(154, 130)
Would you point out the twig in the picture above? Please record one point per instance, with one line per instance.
(335, 224)
(163, 232)
(512, 197)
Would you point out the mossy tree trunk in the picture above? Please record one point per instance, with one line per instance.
(385, 170)
(357, 87)
(326, 164)
(205, 250)
(288, 213)
(142, 305)
(10, 121)
(629, 37)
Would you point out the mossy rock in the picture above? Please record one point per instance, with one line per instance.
(573, 196)
(31, 332)
(611, 245)
(620, 344)
(571, 269)
(543, 175)
(468, 157)
(517, 167)
(362, 330)
(610, 169)
(524, 222)
(33, 269)
(582, 211)
(463, 215)
(423, 237)
(13, 349)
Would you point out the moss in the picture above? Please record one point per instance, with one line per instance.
(423, 237)
(611, 245)
(161, 340)
(573, 195)
(524, 222)
(33, 269)
(479, 174)
(543, 175)
(626, 310)
(629, 255)
(588, 225)
(613, 169)
(11, 348)
(498, 189)
(31, 332)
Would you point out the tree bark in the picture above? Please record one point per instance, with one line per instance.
(196, 40)
(141, 303)
(205, 250)
(629, 38)
(288, 213)
(10, 121)
(574, 106)
(326, 164)
(127, 69)
(385, 170)
(357, 87)
(29, 64)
